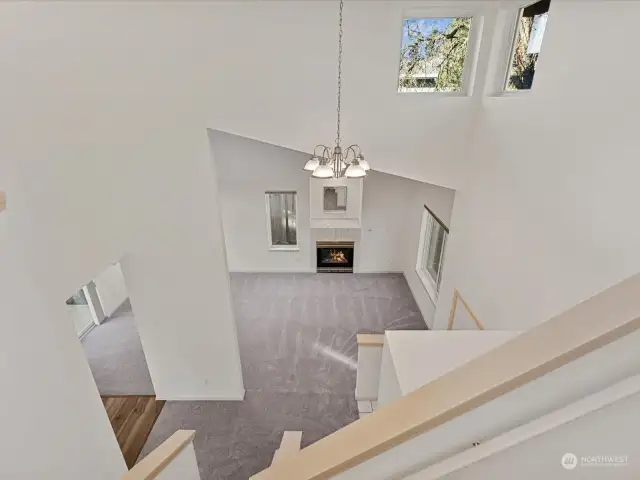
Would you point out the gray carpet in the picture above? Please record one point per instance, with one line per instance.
(297, 335)
(115, 356)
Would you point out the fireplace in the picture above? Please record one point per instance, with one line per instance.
(335, 257)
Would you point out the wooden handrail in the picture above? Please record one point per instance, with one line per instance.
(584, 328)
(370, 339)
(151, 466)
(452, 313)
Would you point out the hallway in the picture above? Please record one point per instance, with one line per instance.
(115, 355)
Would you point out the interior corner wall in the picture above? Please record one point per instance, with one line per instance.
(548, 215)
(440, 200)
(248, 168)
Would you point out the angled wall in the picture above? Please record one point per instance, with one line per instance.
(391, 216)
(547, 215)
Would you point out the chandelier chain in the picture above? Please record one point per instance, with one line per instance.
(339, 71)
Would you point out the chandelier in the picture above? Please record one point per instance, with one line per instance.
(335, 162)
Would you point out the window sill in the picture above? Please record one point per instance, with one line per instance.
(510, 94)
(428, 285)
(434, 94)
(284, 248)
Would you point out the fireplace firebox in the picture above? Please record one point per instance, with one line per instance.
(335, 257)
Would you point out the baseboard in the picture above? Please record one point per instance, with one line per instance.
(204, 398)
(313, 270)
(274, 271)
(86, 330)
(396, 272)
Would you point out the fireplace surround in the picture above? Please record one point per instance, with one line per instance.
(336, 257)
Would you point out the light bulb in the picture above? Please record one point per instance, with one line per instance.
(323, 171)
(312, 163)
(355, 170)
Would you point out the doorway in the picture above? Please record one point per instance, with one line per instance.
(105, 322)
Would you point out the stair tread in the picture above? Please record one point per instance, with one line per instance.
(290, 445)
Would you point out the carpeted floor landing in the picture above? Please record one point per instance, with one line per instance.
(297, 336)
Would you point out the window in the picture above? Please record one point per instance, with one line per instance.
(528, 34)
(281, 213)
(433, 54)
(433, 240)
(335, 199)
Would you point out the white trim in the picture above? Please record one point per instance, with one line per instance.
(274, 270)
(429, 284)
(93, 300)
(427, 318)
(473, 44)
(284, 248)
(87, 329)
(511, 48)
(197, 398)
(513, 17)
(271, 246)
(535, 428)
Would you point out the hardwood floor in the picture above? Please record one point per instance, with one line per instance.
(132, 418)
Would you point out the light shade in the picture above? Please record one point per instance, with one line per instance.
(355, 170)
(312, 163)
(363, 163)
(323, 171)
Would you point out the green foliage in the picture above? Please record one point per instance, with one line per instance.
(439, 53)
(524, 65)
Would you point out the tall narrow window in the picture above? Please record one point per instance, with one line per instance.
(281, 212)
(433, 241)
(530, 29)
(434, 53)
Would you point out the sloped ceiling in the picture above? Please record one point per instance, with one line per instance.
(262, 70)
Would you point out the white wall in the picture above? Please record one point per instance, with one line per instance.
(590, 435)
(96, 125)
(547, 215)
(55, 424)
(247, 168)
(279, 84)
(183, 467)
(440, 201)
(112, 291)
(587, 375)
(81, 317)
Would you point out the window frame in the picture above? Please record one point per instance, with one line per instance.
(281, 248)
(341, 212)
(473, 45)
(514, 20)
(431, 285)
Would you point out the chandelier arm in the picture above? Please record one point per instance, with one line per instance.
(352, 149)
(323, 147)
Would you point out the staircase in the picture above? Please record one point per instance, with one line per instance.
(480, 404)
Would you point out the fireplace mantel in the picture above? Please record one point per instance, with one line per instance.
(347, 215)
